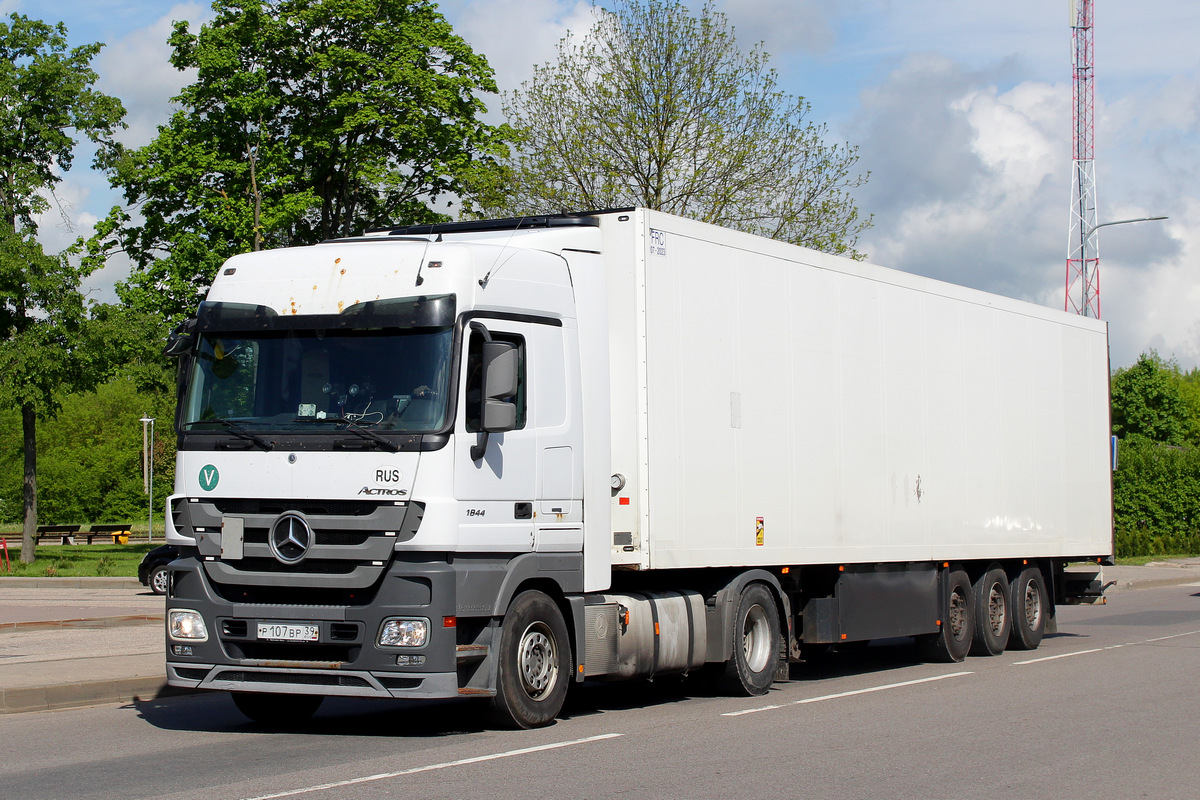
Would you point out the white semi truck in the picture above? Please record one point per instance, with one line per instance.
(488, 459)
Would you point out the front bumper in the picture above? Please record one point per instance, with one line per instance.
(345, 660)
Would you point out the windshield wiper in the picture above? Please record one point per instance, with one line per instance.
(352, 426)
(240, 432)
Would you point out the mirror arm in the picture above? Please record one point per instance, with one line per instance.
(480, 447)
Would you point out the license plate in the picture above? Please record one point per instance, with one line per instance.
(280, 632)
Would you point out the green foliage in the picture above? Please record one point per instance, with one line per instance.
(1147, 401)
(1156, 488)
(91, 456)
(46, 100)
(307, 119)
(656, 107)
(41, 314)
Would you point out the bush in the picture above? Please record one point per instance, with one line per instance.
(1156, 499)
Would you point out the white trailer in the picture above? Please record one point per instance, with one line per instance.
(486, 459)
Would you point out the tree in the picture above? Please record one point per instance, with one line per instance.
(308, 119)
(46, 100)
(1147, 401)
(656, 107)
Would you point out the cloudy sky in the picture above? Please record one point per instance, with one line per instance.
(961, 112)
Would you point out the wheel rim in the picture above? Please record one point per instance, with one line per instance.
(997, 612)
(756, 638)
(958, 614)
(159, 581)
(1033, 605)
(538, 660)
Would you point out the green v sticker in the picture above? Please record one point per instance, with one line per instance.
(209, 477)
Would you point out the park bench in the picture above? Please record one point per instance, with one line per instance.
(69, 532)
(65, 531)
(118, 532)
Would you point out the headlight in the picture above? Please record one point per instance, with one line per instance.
(404, 633)
(186, 626)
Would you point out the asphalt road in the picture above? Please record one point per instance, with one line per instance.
(1109, 707)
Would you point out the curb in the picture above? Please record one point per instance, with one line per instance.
(84, 622)
(24, 582)
(87, 693)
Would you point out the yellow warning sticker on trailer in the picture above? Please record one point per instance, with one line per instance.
(758, 531)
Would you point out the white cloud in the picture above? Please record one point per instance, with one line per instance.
(137, 69)
(516, 35)
(782, 25)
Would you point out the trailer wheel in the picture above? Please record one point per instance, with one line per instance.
(953, 641)
(1028, 593)
(751, 669)
(993, 614)
(534, 665)
(277, 710)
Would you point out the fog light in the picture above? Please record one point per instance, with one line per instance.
(182, 650)
(404, 633)
(186, 626)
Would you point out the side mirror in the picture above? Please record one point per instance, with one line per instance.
(179, 341)
(500, 366)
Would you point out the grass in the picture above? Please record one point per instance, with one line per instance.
(77, 561)
(1141, 561)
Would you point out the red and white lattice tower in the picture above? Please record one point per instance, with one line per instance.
(1083, 245)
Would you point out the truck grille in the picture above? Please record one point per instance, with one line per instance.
(352, 546)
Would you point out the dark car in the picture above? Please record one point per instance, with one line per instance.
(152, 571)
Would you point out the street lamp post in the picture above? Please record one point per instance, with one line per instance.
(148, 471)
(1091, 287)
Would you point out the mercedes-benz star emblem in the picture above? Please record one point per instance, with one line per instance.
(290, 538)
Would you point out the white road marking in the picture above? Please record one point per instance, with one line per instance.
(847, 694)
(1060, 655)
(1172, 636)
(430, 767)
(1102, 649)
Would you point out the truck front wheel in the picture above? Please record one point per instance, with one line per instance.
(751, 669)
(534, 663)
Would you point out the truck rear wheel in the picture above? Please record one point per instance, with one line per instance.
(277, 709)
(751, 668)
(1028, 593)
(993, 615)
(953, 641)
(534, 665)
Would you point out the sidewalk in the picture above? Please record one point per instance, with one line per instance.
(68, 642)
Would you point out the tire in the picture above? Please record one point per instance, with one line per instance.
(993, 612)
(953, 641)
(158, 579)
(277, 710)
(534, 665)
(1030, 606)
(751, 668)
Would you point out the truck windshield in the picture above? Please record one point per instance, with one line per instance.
(293, 380)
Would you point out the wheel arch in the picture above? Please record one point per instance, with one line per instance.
(723, 606)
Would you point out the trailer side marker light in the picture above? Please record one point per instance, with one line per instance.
(449, 622)
(581, 669)
(623, 501)
(785, 570)
(843, 637)
(938, 623)
(656, 629)
(842, 569)
(945, 565)
(627, 616)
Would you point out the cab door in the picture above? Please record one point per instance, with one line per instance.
(496, 493)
